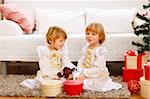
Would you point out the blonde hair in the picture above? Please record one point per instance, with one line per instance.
(54, 33)
(97, 28)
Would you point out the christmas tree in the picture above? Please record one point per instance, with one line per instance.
(143, 29)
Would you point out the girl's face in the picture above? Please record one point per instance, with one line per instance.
(92, 38)
(58, 44)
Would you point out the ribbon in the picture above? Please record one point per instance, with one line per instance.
(139, 60)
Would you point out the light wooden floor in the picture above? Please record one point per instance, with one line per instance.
(136, 97)
(132, 97)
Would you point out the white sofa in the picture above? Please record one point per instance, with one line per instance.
(119, 32)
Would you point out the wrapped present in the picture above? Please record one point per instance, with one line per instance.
(145, 88)
(51, 88)
(131, 74)
(147, 71)
(73, 87)
(134, 61)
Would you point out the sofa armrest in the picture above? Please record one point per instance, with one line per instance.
(9, 28)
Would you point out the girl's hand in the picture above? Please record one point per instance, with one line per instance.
(70, 77)
(81, 77)
(55, 78)
(45, 76)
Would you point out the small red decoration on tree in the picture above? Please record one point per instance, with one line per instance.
(134, 86)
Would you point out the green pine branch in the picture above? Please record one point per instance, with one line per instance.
(146, 40)
(141, 32)
(142, 17)
(137, 44)
(144, 30)
(146, 6)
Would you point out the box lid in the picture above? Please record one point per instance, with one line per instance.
(51, 83)
(73, 82)
(145, 82)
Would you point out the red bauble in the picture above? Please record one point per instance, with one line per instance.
(134, 86)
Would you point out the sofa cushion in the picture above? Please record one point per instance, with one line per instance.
(9, 28)
(18, 15)
(72, 21)
(114, 21)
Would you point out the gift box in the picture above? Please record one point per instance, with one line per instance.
(51, 88)
(134, 61)
(131, 74)
(147, 71)
(145, 88)
(73, 87)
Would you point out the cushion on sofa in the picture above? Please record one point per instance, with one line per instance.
(71, 20)
(114, 21)
(18, 15)
(9, 28)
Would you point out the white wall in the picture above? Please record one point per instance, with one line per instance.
(78, 4)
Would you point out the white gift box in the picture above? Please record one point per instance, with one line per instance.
(145, 88)
(51, 88)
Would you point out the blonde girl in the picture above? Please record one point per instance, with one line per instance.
(92, 65)
(52, 58)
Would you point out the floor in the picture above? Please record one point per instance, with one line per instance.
(31, 68)
(132, 97)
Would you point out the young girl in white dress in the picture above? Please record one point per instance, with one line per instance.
(92, 65)
(52, 58)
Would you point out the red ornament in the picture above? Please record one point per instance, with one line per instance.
(134, 86)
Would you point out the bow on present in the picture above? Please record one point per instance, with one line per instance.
(139, 58)
(130, 53)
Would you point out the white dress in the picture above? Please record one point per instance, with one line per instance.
(98, 75)
(50, 62)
